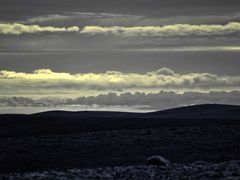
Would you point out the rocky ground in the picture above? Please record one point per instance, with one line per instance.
(172, 171)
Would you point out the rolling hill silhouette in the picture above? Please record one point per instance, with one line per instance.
(64, 140)
(64, 122)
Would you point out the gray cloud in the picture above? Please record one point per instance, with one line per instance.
(140, 101)
(82, 18)
(111, 19)
(15, 9)
(161, 100)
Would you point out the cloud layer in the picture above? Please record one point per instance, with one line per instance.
(165, 31)
(48, 82)
(160, 31)
(17, 29)
(140, 101)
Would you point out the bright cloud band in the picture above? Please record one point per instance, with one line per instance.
(165, 31)
(17, 29)
(47, 81)
(162, 31)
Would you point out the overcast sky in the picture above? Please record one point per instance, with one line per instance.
(52, 53)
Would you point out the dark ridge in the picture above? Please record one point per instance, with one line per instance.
(202, 107)
(202, 111)
(192, 111)
(83, 113)
(64, 122)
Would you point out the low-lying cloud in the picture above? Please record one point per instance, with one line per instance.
(160, 31)
(140, 101)
(49, 82)
(161, 100)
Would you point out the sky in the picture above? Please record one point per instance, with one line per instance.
(125, 55)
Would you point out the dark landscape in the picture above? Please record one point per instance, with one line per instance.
(59, 140)
(128, 89)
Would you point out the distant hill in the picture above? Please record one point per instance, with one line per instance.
(64, 122)
(203, 111)
(84, 113)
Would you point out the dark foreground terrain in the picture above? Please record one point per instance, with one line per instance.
(194, 171)
(64, 140)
